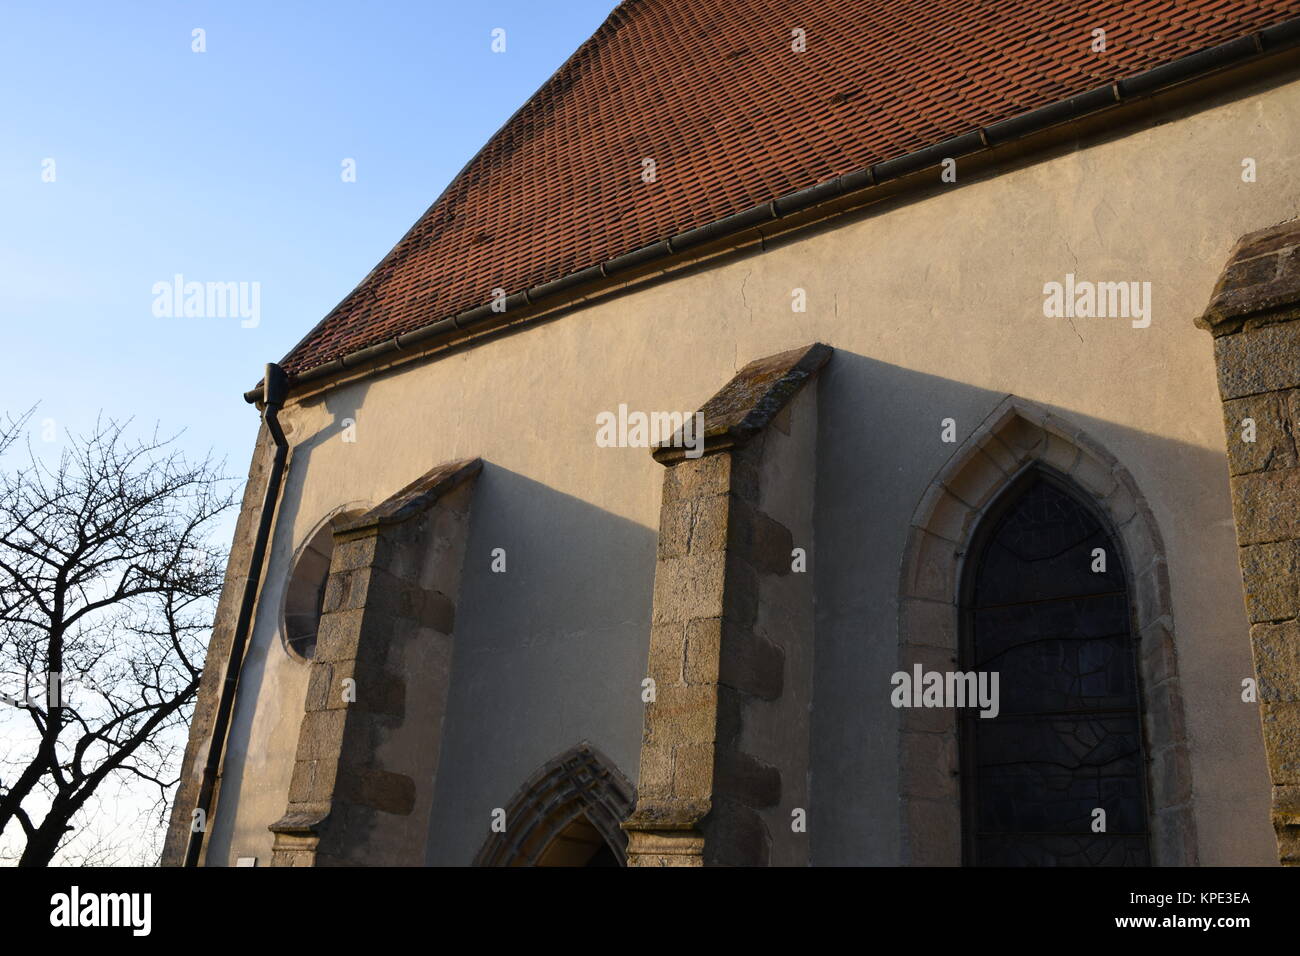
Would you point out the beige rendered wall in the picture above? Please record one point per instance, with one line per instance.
(934, 308)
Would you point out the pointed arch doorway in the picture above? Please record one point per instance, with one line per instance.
(579, 844)
(567, 814)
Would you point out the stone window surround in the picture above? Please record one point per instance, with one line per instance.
(337, 515)
(1016, 436)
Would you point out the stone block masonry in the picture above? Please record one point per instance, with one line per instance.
(370, 739)
(724, 755)
(1252, 315)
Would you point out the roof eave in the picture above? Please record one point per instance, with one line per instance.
(577, 285)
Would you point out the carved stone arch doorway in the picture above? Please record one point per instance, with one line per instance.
(567, 814)
(1015, 443)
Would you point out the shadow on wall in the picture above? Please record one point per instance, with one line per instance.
(549, 652)
(552, 651)
(880, 448)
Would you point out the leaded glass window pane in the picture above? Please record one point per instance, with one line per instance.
(1068, 737)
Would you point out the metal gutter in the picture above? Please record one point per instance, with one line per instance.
(274, 391)
(1193, 66)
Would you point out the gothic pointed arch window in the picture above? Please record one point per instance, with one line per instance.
(1058, 777)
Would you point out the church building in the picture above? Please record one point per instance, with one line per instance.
(806, 433)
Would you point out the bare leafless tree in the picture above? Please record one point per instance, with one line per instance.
(108, 582)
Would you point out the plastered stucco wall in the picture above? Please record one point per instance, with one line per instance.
(934, 308)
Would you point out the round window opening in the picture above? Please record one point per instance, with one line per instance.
(306, 595)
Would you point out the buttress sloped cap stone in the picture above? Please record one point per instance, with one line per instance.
(748, 403)
(416, 497)
(1260, 285)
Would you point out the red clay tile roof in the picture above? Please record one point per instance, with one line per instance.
(711, 90)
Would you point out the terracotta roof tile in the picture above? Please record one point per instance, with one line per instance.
(711, 90)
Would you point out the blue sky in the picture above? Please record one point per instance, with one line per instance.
(224, 166)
